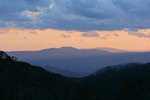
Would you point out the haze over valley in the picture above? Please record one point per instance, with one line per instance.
(79, 62)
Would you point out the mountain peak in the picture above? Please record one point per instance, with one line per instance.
(68, 48)
(61, 48)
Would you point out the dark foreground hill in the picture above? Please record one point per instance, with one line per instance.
(22, 81)
(122, 82)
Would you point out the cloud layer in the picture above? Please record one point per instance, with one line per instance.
(137, 33)
(80, 15)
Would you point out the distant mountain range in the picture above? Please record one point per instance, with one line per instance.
(80, 60)
(57, 53)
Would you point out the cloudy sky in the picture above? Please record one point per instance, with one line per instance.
(39, 24)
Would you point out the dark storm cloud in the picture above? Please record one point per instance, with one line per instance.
(11, 11)
(81, 15)
(89, 8)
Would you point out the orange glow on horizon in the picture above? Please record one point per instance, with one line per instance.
(14, 39)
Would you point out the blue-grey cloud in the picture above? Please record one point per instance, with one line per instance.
(90, 34)
(104, 38)
(115, 34)
(81, 15)
(137, 33)
(66, 36)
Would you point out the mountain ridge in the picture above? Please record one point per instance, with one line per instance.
(58, 52)
(112, 50)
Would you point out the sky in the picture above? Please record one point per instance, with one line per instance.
(41, 24)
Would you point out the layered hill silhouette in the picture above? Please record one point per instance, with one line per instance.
(57, 53)
(22, 81)
(65, 72)
(80, 60)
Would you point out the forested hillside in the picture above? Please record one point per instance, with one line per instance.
(121, 82)
(22, 81)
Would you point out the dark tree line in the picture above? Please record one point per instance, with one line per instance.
(121, 82)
